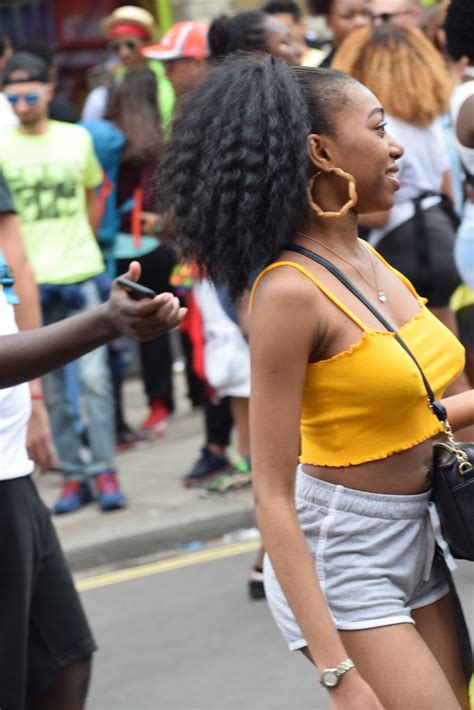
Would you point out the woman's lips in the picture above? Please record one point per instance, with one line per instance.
(392, 175)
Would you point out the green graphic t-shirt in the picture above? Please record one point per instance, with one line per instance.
(47, 175)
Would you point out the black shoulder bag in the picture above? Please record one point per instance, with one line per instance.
(453, 484)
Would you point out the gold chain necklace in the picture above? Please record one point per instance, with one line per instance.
(381, 295)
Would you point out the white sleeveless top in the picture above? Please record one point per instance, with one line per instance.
(460, 94)
(15, 410)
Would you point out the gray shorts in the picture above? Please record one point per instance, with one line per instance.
(374, 556)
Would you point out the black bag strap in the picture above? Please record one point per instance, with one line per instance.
(436, 407)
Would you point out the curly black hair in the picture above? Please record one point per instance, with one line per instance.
(234, 172)
(245, 31)
(459, 27)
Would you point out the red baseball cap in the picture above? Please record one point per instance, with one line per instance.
(185, 39)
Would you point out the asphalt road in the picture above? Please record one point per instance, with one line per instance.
(189, 638)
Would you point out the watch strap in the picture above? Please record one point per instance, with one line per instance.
(345, 666)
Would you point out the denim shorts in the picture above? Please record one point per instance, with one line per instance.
(374, 556)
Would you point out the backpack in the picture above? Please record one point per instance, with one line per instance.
(109, 142)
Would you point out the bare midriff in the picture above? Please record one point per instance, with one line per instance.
(405, 473)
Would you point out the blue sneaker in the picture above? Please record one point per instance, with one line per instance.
(73, 496)
(109, 495)
(208, 467)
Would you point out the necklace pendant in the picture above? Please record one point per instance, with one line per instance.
(381, 296)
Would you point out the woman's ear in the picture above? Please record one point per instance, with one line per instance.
(319, 153)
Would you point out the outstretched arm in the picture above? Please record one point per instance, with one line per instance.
(30, 354)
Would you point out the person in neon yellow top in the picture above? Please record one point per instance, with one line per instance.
(52, 171)
(128, 30)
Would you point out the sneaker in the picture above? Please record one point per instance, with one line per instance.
(109, 495)
(128, 438)
(241, 471)
(236, 475)
(255, 583)
(158, 419)
(207, 468)
(73, 496)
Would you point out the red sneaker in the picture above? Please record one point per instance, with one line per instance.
(158, 419)
(74, 495)
(109, 495)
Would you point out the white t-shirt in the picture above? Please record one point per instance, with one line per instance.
(422, 166)
(95, 104)
(8, 118)
(15, 410)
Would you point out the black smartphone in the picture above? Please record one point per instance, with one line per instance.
(136, 291)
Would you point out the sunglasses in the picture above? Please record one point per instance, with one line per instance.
(385, 17)
(128, 44)
(31, 98)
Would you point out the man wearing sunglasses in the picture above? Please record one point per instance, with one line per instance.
(52, 172)
(398, 12)
(127, 30)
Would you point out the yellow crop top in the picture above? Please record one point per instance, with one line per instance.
(369, 402)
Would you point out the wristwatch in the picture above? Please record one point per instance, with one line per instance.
(330, 677)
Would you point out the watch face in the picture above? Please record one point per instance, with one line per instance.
(330, 679)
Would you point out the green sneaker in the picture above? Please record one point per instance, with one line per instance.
(238, 476)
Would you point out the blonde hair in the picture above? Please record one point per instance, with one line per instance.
(401, 67)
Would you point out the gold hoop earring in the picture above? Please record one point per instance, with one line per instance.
(345, 207)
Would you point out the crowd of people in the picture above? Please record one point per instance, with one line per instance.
(221, 166)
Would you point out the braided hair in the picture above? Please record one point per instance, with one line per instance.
(234, 172)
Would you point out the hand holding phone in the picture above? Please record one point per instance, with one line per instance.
(135, 290)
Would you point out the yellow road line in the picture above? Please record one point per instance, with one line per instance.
(193, 558)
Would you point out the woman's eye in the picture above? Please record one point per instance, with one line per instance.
(381, 128)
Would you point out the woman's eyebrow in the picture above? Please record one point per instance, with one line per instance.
(376, 110)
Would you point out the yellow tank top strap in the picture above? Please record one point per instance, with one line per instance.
(397, 273)
(316, 282)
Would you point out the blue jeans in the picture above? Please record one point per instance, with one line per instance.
(464, 246)
(96, 389)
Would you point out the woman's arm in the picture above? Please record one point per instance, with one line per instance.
(460, 409)
(281, 340)
(30, 354)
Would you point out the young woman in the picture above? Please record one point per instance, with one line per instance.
(253, 31)
(342, 17)
(350, 566)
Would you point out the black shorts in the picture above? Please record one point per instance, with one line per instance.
(43, 628)
(436, 277)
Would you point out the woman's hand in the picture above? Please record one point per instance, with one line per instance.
(353, 693)
(145, 319)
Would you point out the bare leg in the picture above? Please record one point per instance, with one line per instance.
(69, 689)
(408, 667)
(435, 624)
(259, 561)
(240, 414)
